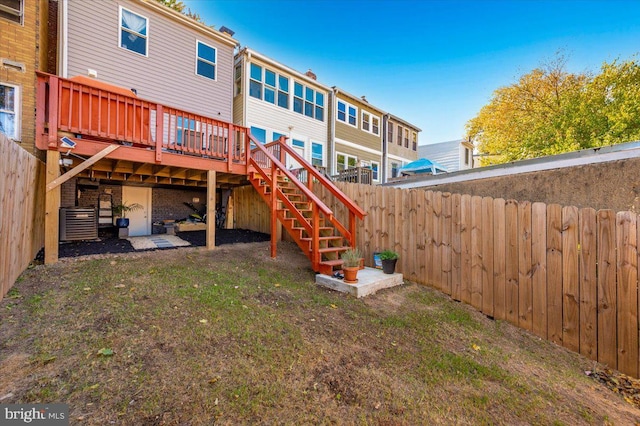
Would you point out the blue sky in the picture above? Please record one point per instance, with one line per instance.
(433, 63)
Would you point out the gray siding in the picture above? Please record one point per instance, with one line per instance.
(167, 75)
(445, 153)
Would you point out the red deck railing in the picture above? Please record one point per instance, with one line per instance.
(96, 110)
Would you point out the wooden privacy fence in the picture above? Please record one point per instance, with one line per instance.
(22, 186)
(568, 275)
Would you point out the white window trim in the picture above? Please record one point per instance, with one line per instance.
(19, 13)
(377, 163)
(371, 117)
(18, 111)
(215, 64)
(120, 28)
(324, 150)
(346, 157)
(346, 113)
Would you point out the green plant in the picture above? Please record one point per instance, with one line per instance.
(123, 208)
(388, 255)
(351, 258)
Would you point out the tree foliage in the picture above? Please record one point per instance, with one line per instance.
(550, 111)
(179, 6)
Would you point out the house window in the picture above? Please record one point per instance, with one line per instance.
(238, 79)
(466, 156)
(259, 134)
(345, 161)
(395, 169)
(9, 103)
(370, 123)
(316, 154)
(347, 113)
(374, 170)
(297, 143)
(308, 102)
(134, 32)
(400, 135)
(414, 135)
(283, 92)
(277, 135)
(255, 84)
(270, 86)
(11, 10)
(206, 62)
(406, 138)
(390, 132)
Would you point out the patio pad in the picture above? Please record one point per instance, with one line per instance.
(157, 241)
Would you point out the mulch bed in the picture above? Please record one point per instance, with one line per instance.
(110, 244)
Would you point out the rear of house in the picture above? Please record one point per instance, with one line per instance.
(161, 56)
(401, 145)
(274, 100)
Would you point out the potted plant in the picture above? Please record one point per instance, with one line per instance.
(351, 265)
(121, 210)
(389, 259)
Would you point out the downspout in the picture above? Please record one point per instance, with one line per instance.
(63, 37)
(385, 154)
(332, 132)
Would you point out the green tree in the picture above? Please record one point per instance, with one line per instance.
(550, 111)
(176, 5)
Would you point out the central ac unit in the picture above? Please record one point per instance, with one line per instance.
(78, 224)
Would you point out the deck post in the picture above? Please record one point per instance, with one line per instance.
(211, 209)
(274, 207)
(52, 209)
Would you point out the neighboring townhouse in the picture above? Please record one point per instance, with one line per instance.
(356, 135)
(453, 155)
(400, 145)
(160, 54)
(273, 100)
(23, 50)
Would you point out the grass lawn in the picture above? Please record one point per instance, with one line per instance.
(232, 336)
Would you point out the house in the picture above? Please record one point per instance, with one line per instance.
(356, 135)
(273, 100)
(123, 47)
(23, 50)
(453, 155)
(400, 145)
(141, 112)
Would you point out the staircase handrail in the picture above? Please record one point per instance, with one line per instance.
(327, 183)
(306, 191)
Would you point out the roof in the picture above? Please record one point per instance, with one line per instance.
(251, 53)
(185, 20)
(404, 122)
(359, 99)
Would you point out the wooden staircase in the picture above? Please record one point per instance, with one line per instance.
(311, 224)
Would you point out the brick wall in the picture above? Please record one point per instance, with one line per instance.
(21, 44)
(168, 203)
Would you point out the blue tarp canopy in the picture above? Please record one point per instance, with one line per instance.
(422, 165)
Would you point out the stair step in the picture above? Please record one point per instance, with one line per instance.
(333, 237)
(333, 249)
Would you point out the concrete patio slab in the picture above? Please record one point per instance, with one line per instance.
(370, 280)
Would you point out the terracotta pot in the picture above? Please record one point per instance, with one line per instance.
(350, 274)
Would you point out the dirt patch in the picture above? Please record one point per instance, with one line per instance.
(232, 336)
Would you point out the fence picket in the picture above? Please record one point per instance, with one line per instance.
(465, 248)
(627, 277)
(499, 259)
(456, 247)
(525, 289)
(488, 236)
(476, 252)
(446, 243)
(588, 283)
(606, 272)
(554, 272)
(512, 259)
(570, 276)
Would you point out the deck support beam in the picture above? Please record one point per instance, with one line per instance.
(211, 209)
(52, 209)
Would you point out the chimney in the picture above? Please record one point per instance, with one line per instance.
(310, 74)
(364, 98)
